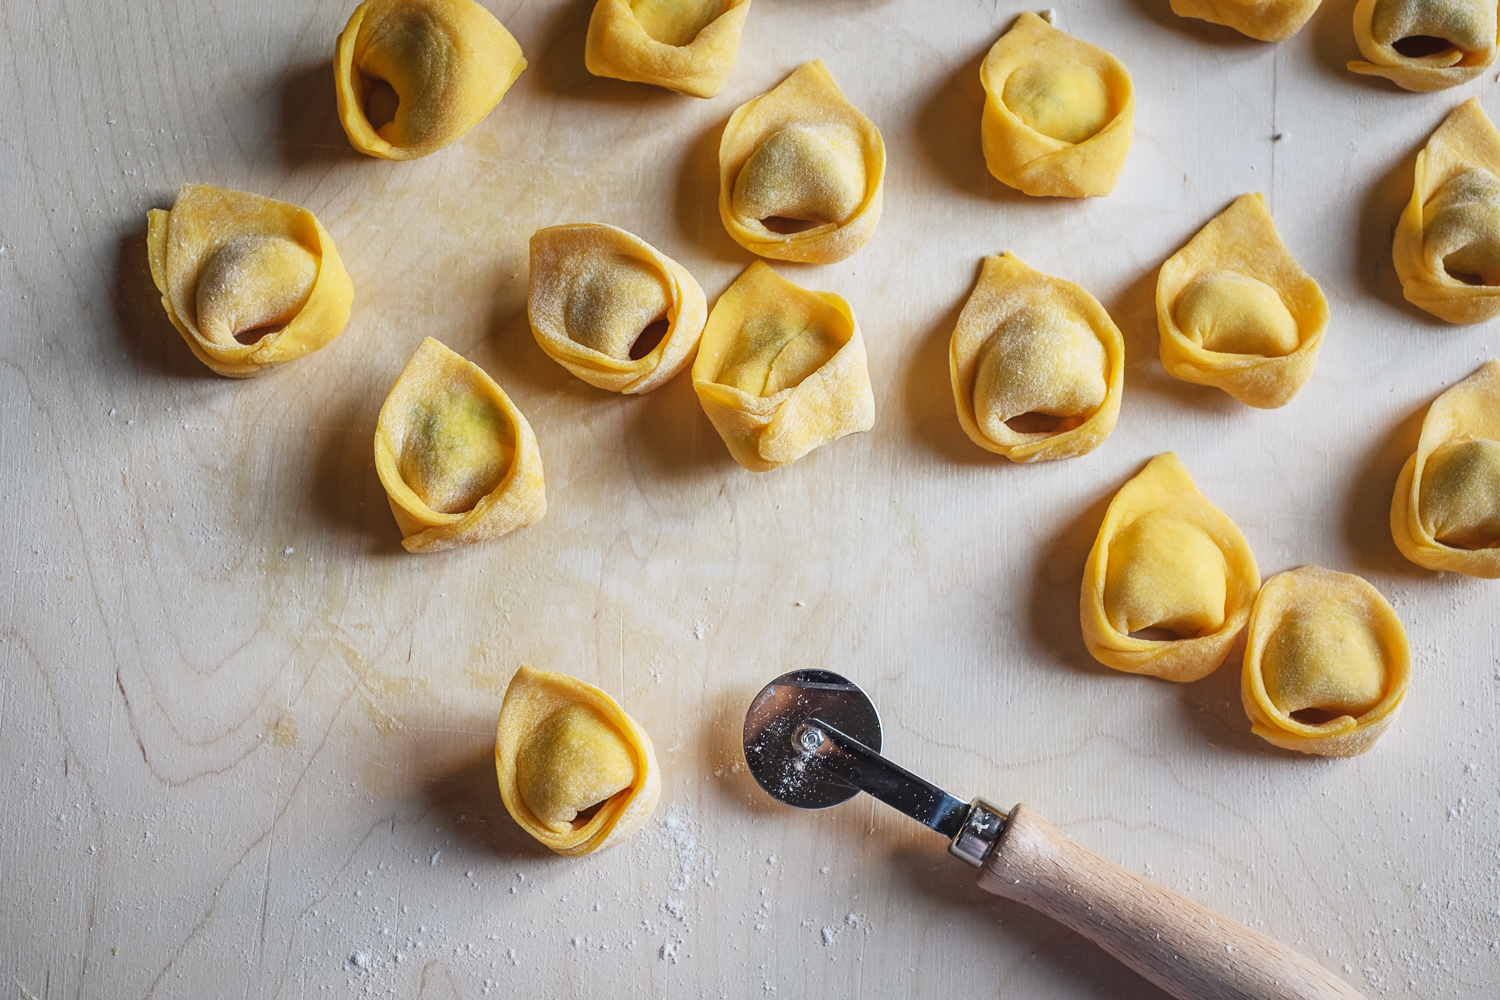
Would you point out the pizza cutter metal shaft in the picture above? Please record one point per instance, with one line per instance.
(972, 828)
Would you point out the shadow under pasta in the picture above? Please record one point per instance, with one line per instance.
(1057, 578)
(1043, 958)
(928, 393)
(307, 126)
(141, 325)
(469, 800)
(1367, 503)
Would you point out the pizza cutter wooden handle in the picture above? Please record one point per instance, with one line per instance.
(1185, 948)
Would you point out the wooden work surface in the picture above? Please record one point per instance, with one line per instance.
(246, 738)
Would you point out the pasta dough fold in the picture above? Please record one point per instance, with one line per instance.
(1264, 20)
(595, 290)
(448, 61)
(1447, 246)
(250, 283)
(781, 370)
(458, 461)
(1235, 310)
(1036, 363)
(1445, 513)
(1059, 113)
(801, 171)
(1326, 663)
(688, 46)
(576, 772)
(1170, 579)
(1425, 45)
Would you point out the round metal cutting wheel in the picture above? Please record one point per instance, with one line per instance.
(781, 766)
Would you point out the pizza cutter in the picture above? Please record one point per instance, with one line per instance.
(812, 740)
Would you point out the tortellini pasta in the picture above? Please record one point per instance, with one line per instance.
(801, 171)
(596, 290)
(1447, 246)
(1265, 20)
(1037, 365)
(1445, 514)
(781, 370)
(249, 282)
(448, 61)
(1170, 579)
(458, 461)
(1236, 311)
(575, 771)
(1059, 113)
(1326, 663)
(1425, 44)
(688, 46)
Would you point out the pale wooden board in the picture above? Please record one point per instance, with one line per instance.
(246, 738)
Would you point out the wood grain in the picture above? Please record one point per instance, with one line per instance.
(1189, 950)
(245, 737)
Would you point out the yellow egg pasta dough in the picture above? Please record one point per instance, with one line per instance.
(1445, 514)
(781, 370)
(458, 461)
(801, 171)
(1425, 45)
(594, 292)
(1326, 663)
(576, 772)
(1059, 113)
(251, 283)
(1169, 582)
(448, 61)
(1447, 246)
(687, 46)
(1235, 310)
(1037, 365)
(1264, 20)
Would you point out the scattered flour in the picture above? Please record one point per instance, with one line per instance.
(733, 767)
(683, 840)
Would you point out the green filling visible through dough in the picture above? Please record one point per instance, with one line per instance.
(457, 451)
(773, 354)
(611, 303)
(815, 174)
(1432, 22)
(1462, 233)
(1459, 499)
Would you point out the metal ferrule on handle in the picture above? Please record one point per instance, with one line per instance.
(979, 834)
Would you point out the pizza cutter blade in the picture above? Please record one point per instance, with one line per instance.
(812, 740)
